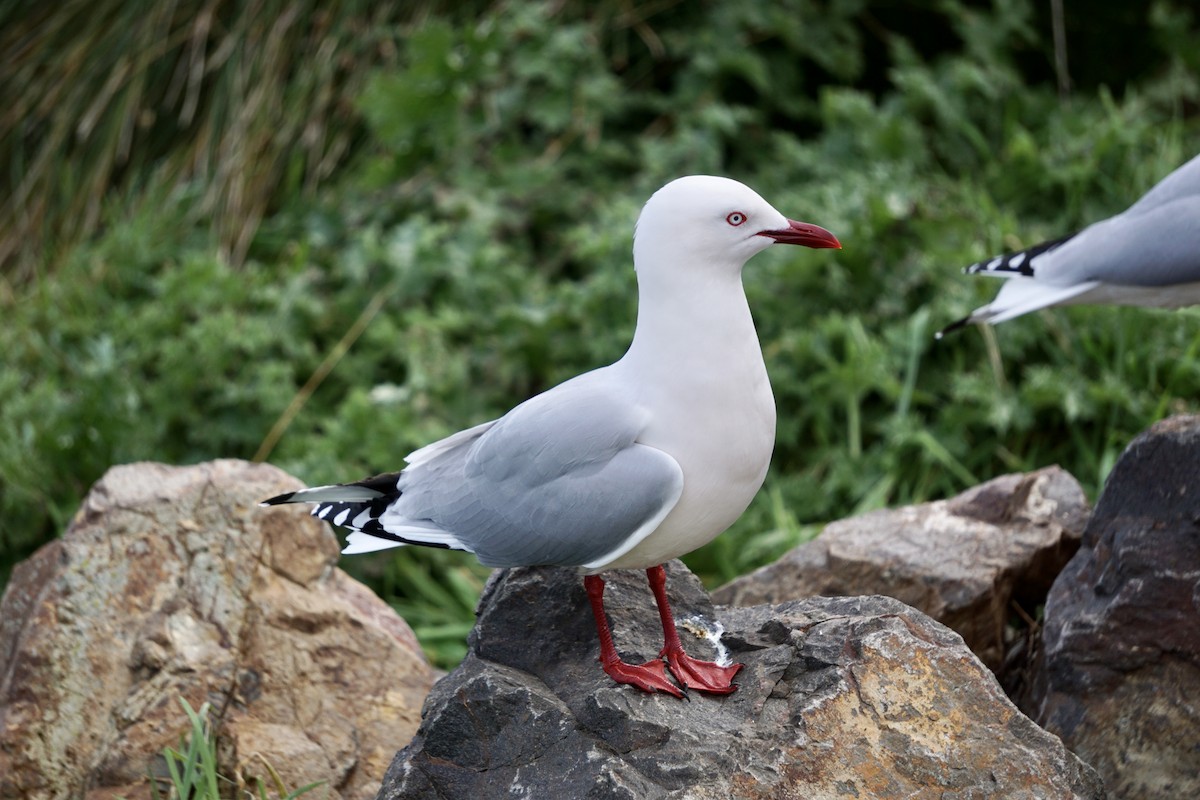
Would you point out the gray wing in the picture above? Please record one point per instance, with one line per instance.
(1158, 246)
(560, 479)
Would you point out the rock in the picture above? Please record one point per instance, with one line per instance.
(839, 697)
(172, 583)
(962, 561)
(1119, 670)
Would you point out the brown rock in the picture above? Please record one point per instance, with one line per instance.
(840, 697)
(1119, 671)
(962, 561)
(172, 582)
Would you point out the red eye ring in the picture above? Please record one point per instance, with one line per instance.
(736, 218)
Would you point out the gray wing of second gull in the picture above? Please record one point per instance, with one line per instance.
(1157, 246)
(560, 479)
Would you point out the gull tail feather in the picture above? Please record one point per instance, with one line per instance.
(364, 491)
(1018, 297)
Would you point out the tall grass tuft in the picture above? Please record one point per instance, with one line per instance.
(193, 767)
(253, 102)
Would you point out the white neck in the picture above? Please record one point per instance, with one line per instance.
(703, 328)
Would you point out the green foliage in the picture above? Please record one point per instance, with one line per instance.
(436, 594)
(488, 218)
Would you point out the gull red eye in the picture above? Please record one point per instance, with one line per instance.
(736, 218)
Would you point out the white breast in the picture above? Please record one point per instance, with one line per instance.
(719, 424)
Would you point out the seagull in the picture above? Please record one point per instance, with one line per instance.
(1148, 255)
(626, 466)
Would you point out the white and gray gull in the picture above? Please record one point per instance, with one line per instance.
(1148, 255)
(626, 466)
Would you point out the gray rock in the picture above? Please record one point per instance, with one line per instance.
(839, 697)
(962, 561)
(1118, 676)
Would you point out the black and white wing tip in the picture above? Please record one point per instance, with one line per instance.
(1018, 263)
(953, 326)
(360, 507)
(384, 485)
(280, 499)
(362, 491)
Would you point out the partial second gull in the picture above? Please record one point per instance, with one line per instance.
(1148, 255)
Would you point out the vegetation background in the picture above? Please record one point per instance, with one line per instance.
(326, 233)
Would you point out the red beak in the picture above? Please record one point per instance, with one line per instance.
(805, 234)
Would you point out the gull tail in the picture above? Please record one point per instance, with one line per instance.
(1020, 296)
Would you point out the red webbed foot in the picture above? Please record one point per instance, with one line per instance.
(704, 676)
(649, 677)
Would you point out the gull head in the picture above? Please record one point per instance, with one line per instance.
(707, 222)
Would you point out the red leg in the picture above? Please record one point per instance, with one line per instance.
(691, 672)
(649, 677)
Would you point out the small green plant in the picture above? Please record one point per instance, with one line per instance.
(193, 766)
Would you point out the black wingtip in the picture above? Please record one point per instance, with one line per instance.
(278, 499)
(952, 327)
(1018, 263)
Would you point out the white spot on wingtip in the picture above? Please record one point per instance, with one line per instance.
(358, 542)
(340, 519)
(1017, 260)
(995, 262)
